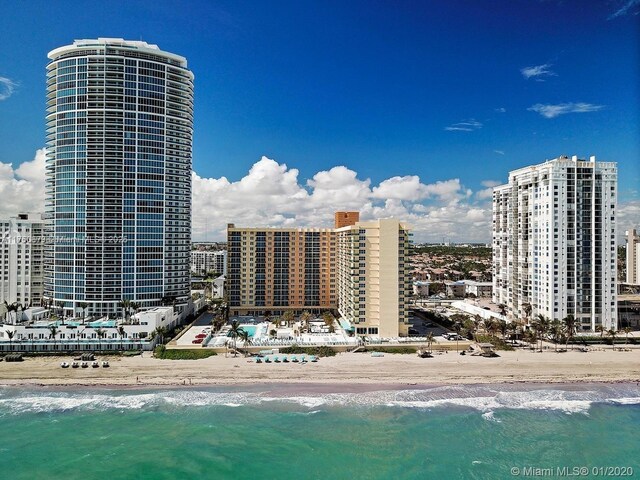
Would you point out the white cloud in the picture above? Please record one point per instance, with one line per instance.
(538, 72)
(402, 188)
(626, 7)
(22, 189)
(490, 183)
(501, 110)
(484, 194)
(217, 202)
(552, 111)
(465, 126)
(628, 216)
(7, 86)
(272, 194)
(499, 152)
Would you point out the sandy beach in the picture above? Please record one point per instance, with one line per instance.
(346, 368)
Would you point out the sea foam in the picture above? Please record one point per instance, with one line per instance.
(485, 399)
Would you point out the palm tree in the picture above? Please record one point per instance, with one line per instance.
(304, 319)
(160, 332)
(234, 332)
(61, 304)
(470, 327)
(627, 331)
(601, 329)
(457, 327)
(527, 310)
(288, 317)
(83, 306)
(503, 309)
(100, 332)
(246, 339)
(429, 341)
(612, 333)
(10, 334)
(80, 332)
(556, 329)
(541, 326)
(122, 333)
(53, 333)
(124, 305)
(134, 307)
(531, 337)
(569, 329)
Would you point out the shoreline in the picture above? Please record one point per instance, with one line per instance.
(357, 370)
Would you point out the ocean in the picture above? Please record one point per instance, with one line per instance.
(320, 432)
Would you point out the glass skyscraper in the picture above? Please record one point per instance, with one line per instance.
(119, 135)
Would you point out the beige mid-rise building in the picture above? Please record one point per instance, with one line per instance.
(373, 277)
(357, 270)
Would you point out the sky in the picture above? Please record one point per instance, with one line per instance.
(410, 109)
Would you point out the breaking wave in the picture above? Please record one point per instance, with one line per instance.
(485, 399)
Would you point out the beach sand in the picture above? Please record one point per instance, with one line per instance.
(345, 368)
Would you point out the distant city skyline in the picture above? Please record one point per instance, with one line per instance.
(413, 111)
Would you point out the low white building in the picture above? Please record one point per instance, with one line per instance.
(479, 289)
(36, 334)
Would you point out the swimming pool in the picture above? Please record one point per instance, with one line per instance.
(250, 329)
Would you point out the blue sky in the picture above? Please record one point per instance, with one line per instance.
(441, 90)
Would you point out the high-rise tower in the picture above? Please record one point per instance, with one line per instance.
(554, 242)
(119, 135)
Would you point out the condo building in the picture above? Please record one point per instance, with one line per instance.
(633, 257)
(118, 175)
(357, 270)
(22, 259)
(205, 261)
(554, 242)
(373, 277)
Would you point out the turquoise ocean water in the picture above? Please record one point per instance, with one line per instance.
(317, 432)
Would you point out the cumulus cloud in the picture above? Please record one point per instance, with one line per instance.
(627, 7)
(552, 111)
(7, 86)
(628, 216)
(272, 194)
(22, 189)
(217, 202)
(464, 126)
(490, 183)
(538, 72)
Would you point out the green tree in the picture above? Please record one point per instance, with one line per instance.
(569, 329)
(288, 317)
(612, 333)
(53, 333)
(429, 341)
(83, 306)
(234, 332)
(100, 333)
(124, 306)
(305, 318)
(243, 335)
(556, 329)
(10, 334)
(122, 332)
